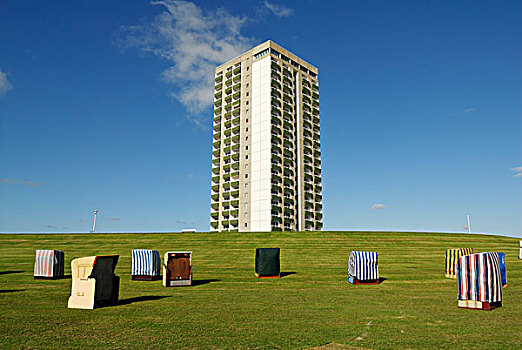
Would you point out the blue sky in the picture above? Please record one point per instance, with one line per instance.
(107, 105)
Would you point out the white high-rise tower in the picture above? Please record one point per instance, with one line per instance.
(266, 157)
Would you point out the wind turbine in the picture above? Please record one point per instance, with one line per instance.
(469, 225)
(94, 223)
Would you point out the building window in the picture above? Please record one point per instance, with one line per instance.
(247, 118)
(246, 215)
(246, 129)
(247, 113)
(247, 103)
(245, 225)
(246, 166)
(246, 176)
(246, 195)
(248, 68)
(246, 205)
(246, 185)
(247, 85)
(246, 148)
(247, 94)
(246, 138)
(246, 157)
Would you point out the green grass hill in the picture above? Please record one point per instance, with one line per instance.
(312, 306)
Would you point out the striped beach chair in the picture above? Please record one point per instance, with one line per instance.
(146, 265)
(363, 268)
(452, 255)
(48, 264)
(479, 281)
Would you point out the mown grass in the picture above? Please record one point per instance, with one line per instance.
(415, 307)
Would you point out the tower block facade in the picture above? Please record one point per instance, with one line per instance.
(266, 150)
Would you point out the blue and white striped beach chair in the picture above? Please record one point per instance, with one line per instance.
(146, 265)
(363, 268)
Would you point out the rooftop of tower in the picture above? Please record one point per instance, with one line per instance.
(269, 44)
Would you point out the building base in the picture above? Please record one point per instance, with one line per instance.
(354, 280)
(266, 276)
(145, 278)
(479, 305)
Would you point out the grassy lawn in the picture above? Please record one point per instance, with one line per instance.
(313, 305)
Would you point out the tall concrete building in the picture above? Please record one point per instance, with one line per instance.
(266, 157)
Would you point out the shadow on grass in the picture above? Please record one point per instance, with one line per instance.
(201, 282)
(382, 279)
(142, 298)
(10, 272)
(284, 274)
(11, 290)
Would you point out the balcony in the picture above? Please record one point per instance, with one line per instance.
(237, 70)
(237, 78)
(228, 74)
(217, 103)
(276, 84)
(214, 225)
(276, 75)
(236, 95)
(286, 90)
(276, 150)
(218, 78)
(215, 206)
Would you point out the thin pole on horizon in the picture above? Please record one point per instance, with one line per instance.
(94, 223)
(469, 225)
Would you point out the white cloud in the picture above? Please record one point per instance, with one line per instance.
(5, 84)
(194, 42)
(279, 10)
(23, 182)
(518, 171)
(377, 206)
(469, 110)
